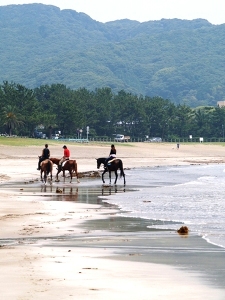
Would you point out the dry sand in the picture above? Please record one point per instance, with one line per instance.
(133, 155)
(37, 262)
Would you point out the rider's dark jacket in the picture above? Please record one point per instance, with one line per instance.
(45, 153)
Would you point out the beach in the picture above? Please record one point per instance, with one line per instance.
(55, 250)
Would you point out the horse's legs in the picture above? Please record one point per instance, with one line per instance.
(41, 175)
(116, 176)
(103, 176)
(109, 176)
(57, 177)
(71, 176)
(45, 177)
(122, 174)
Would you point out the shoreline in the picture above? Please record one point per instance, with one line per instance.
(69, 251)
(60, 249)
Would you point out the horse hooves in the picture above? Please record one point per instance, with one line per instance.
(57, 180)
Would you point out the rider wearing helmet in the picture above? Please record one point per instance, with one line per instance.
(66, 156)
(112, 155)
(45, 155)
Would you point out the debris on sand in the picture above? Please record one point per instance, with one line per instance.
(93, 174)
(59, 191)
(183, 230)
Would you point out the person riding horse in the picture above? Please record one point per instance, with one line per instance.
(114, 167)
(65, 157)
(112, 155)
(45, 155)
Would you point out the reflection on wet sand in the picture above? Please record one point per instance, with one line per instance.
(89, 192)
(108, 190)
(71, 196)
(66, 194)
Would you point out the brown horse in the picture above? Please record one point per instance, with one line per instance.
(69, 165)
(46, 168)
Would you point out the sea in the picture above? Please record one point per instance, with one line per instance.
(168, 197)
(174, 196)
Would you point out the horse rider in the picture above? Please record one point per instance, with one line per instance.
(45, 155)
(66, 156)
(112, 155)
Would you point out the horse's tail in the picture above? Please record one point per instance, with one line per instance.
(75, 168)
(122, 172)
(121, 169)
(49, 167)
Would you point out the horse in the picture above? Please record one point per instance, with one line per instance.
(69, 165)
(115, 165)
(46, 168)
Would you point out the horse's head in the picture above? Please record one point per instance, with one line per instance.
(100, 161)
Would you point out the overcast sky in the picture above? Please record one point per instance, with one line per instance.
(140, 10)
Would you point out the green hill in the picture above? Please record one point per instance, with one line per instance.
(179, 60)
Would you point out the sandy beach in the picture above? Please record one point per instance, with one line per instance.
(38, 262)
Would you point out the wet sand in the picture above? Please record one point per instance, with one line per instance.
(71, 250)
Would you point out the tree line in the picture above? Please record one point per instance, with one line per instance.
(57, 107)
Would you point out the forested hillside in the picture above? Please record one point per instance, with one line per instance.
(182, 61)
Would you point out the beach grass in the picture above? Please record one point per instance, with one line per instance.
(17, 141)
(22, 141)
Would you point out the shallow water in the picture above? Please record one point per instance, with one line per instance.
(190, 195)
(153, 200)
(87, 191)
(168, 197)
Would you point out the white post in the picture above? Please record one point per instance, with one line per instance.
(87, 132)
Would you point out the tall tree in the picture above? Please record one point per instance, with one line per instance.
(11, 118)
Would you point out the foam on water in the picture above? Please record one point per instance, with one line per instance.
(190, 195)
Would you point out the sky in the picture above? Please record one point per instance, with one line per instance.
(140, 10)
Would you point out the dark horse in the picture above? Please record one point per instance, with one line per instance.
(46, 168)
(114, 166)
(69, 165)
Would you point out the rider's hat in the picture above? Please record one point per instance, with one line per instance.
(64, 146)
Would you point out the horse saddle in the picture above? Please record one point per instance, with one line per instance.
(63, 164)
(110, 161)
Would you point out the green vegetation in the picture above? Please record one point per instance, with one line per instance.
(58, 108)
(20, 142)
(63, 71)
(11, 118)
(29, 142)
(179, 60)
